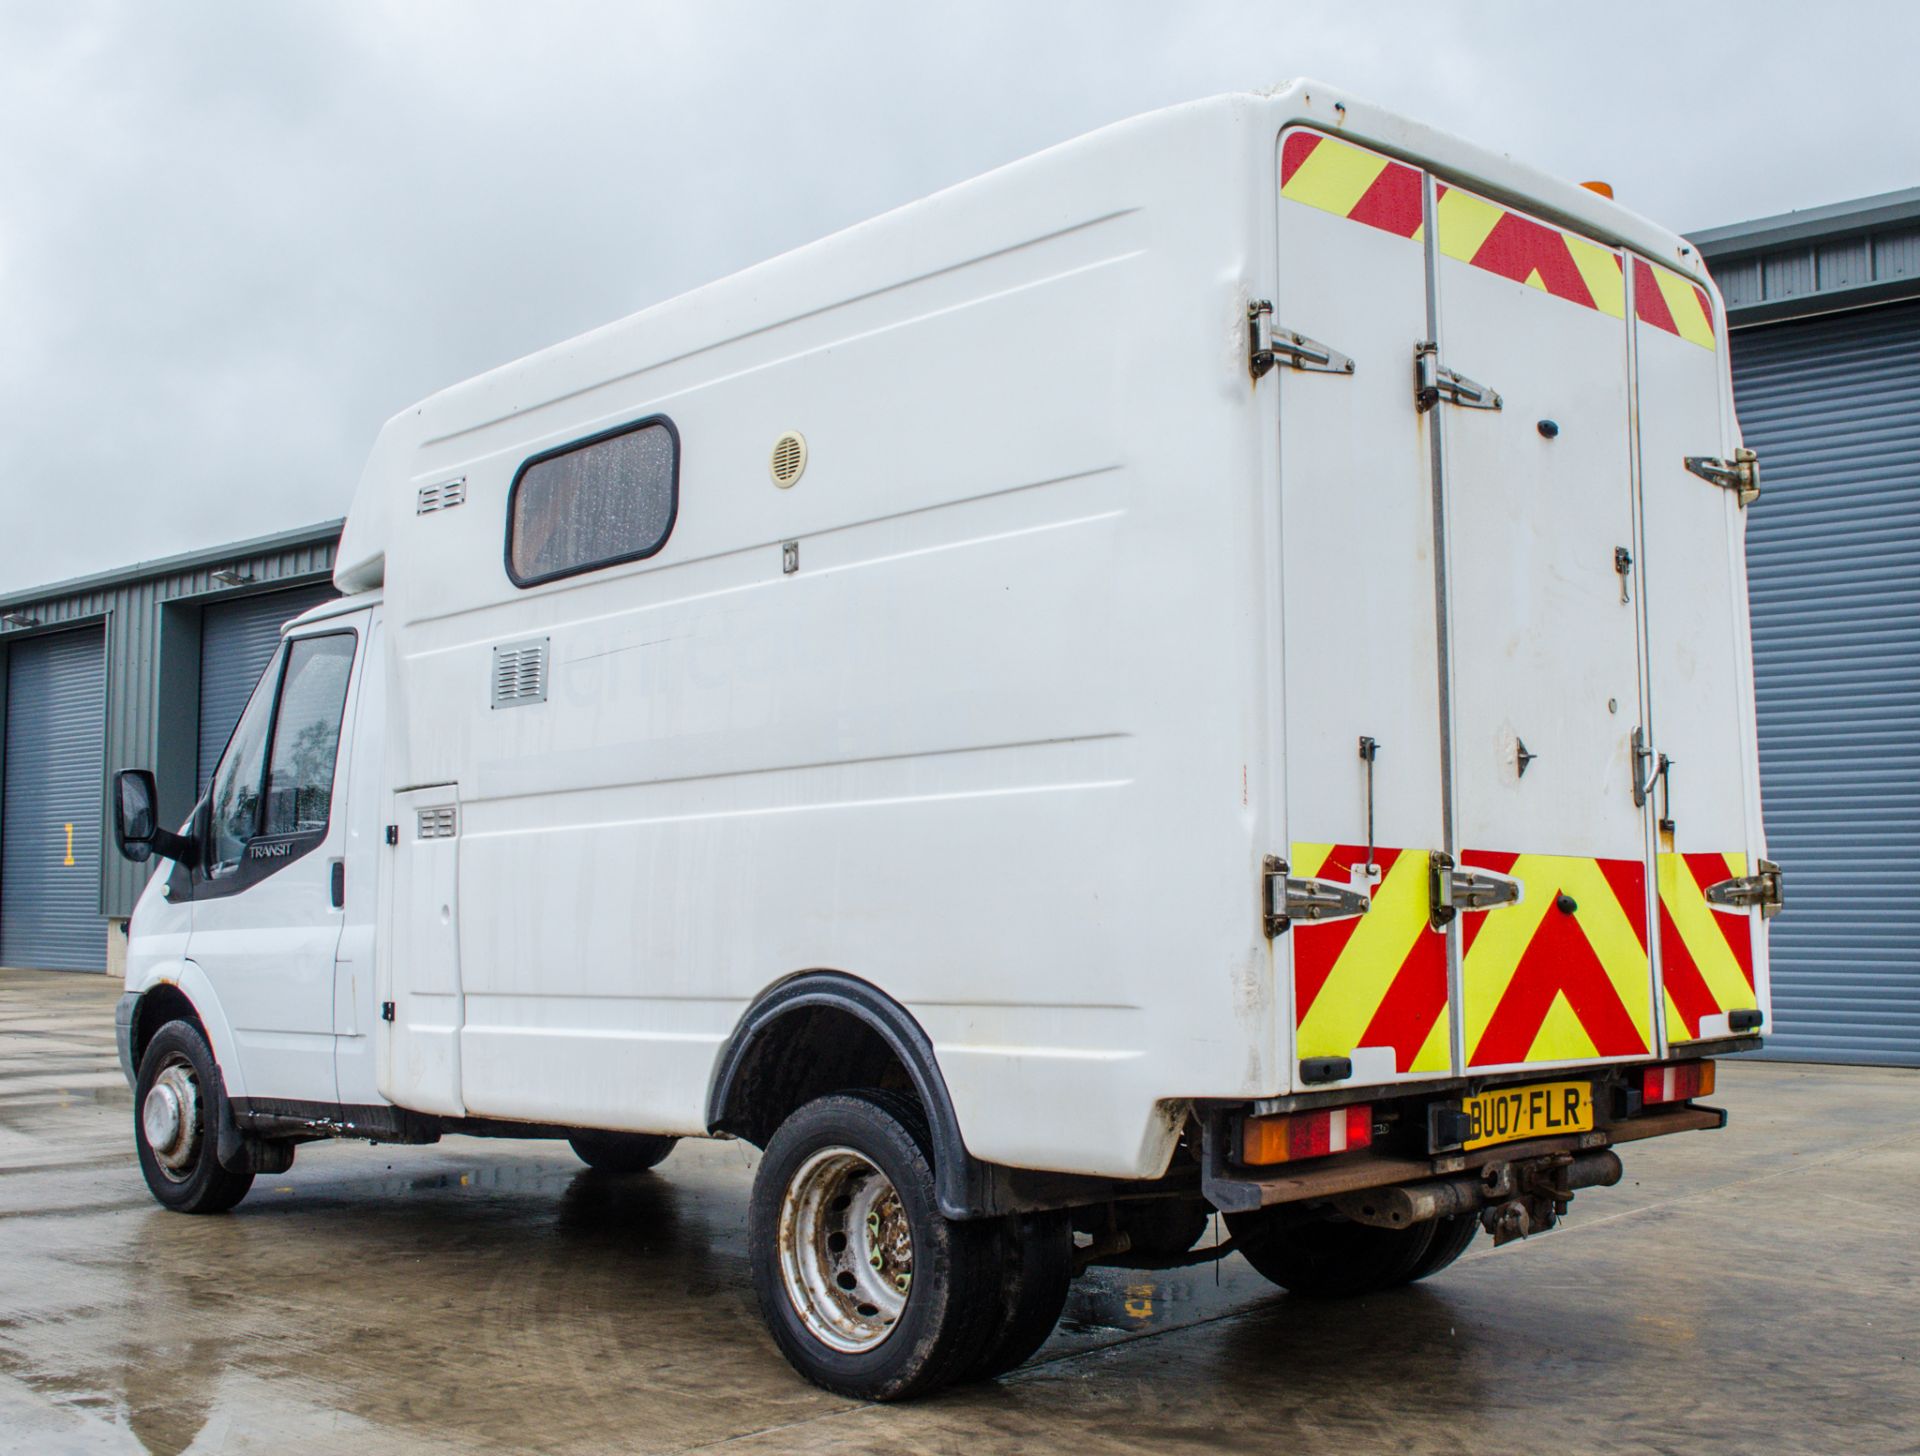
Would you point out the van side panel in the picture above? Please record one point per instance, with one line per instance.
(1023, 643)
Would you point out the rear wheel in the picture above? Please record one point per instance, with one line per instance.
(178, 1096)
(1331, 1258)
(1035, 1260)
(1451, 1239)
(621, 1152)
(868, 1291)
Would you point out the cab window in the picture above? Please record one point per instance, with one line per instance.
(235, 807)
(306, 735)
(276, 777)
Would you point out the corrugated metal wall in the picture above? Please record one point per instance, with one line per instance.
(236, 640)
(50, 856)
(1832, 404)
(152, 710)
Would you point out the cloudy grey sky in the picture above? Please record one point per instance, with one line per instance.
(235, 237)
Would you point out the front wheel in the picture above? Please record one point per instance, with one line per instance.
(868, 1291)
(1332, 1258)
(176, 1112)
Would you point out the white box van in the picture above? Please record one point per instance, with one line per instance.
(1207, 669)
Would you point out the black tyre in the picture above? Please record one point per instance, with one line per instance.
(1035, 1260)
(621, 1152)
(1332, 1258)
(866, 1289)
(1451, 1239)
(177, 1103)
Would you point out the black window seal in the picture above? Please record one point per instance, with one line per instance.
(673, 504)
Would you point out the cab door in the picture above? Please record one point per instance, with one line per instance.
(267, 891)
(1544, 582)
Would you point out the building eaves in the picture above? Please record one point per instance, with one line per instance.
(1811, 224)
(169, 565)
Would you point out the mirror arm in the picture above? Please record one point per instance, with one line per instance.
(182, 849)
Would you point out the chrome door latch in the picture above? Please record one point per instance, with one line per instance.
(1433, 382)
(1647, 769)
(1451, 889)
(1286, 899)
(1268, 346)
(1741, 475)
(1748, 891)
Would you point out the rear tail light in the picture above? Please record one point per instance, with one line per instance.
(1289, 1137)
(1679, 1083)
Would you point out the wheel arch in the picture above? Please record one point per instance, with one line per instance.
(751, 1071)
(182, 988)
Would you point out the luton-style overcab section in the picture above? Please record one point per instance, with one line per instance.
(1202, 672)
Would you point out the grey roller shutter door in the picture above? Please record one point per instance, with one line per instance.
(236, 640)
(50, 816)
(1832, 404)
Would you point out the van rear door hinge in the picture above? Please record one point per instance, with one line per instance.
(1747, 891)
(1451, 889)
(1287, 899)
(1741, 475)
(1433, 382)
(386, 1011)
(1268, 346)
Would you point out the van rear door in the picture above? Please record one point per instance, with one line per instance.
(1359, 613)
(1505, 597)
(1712, 957)
(1545, 582)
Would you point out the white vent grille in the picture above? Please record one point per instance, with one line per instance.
(789, 458)
(520, 673)
(438, 823)
(440, 497)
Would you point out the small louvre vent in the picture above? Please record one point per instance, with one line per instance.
(440, 497)
(520, 673)
(789, 458)
(442, 822)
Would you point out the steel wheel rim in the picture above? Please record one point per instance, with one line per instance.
(846, 1250)
(170, 1118)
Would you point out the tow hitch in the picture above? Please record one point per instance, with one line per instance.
(1511, 1199)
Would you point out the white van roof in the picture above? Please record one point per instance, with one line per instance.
(913, 241)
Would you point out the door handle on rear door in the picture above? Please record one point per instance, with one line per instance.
(337, 883)
(1645, 776)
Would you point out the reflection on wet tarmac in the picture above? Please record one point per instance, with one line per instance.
(498, 1296)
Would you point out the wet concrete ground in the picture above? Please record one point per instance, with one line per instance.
(1751, 1290)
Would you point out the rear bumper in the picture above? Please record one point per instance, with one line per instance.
(1234, 1189)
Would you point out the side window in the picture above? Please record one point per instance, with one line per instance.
(236, 782)
(306, 734)
(602, 501)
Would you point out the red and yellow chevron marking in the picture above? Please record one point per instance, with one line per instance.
(1664, 299)
(1361, 185)
(1474, 230)
(1706, 955)
(1349, 181)
(1376, 980)
(1541, 985)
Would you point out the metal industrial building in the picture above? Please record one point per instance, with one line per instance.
(1825, 309)
(143, 667)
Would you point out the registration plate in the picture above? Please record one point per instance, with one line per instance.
(1545, 1109)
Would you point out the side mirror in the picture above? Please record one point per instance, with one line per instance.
(136, 821)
